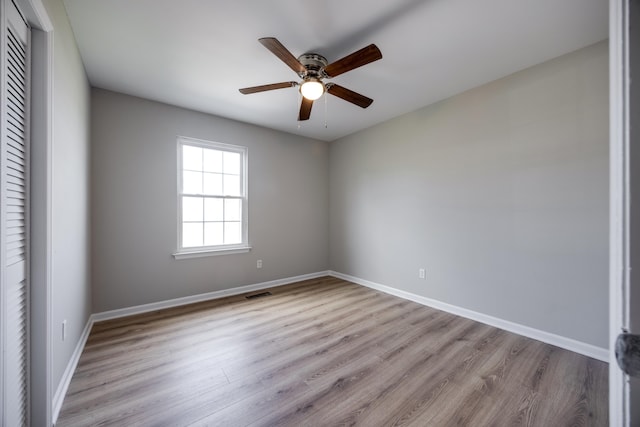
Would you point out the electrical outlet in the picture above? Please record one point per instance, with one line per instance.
(422, 273)
(259, 264)
(64, 329)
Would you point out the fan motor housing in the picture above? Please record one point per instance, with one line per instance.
(314, 64)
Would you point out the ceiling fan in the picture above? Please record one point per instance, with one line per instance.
(312, 69)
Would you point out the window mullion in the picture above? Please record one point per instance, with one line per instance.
(204, 222)
(224, 206)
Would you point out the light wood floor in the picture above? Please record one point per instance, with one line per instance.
(326, 352)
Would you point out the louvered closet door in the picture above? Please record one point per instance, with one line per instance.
(15, 151)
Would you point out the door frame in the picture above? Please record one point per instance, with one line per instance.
(40, 371)
(620, 242)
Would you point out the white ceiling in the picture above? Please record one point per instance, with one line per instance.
(198, 53)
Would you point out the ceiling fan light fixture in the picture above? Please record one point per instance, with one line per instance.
(312, 68)
(312, 89)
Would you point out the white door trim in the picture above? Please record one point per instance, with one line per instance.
(619, 267)
(41, 312)
(40, 221)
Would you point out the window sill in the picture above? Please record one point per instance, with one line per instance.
(211, 252)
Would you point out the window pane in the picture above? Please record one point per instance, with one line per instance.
(211, 196)
(191, 158)
(213, 234)
(213, 161)
(192, 209)
(192, 182)
(213, 209)
(232, 233)
(232, 210)
(232, 163)
(213, 184)
(191, 234)
(232, 185)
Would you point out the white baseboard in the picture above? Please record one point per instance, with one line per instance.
(63, 385)
(549, 338)
(589, 350)
(145, 308)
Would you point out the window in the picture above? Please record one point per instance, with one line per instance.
(212, 198)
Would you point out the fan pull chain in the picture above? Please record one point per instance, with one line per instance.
(297, 105)
(325, 110)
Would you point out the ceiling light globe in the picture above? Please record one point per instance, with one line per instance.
(312, 89)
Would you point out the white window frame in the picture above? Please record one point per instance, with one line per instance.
(203, 251)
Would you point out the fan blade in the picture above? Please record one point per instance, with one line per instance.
(349, 95)
(356, 59)
(305, 109)
(273, 86)
(281, 52)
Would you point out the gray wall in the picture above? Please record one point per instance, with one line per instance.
(70, 281)
(134, 189)
(501, 193)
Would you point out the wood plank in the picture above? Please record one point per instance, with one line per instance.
(325, 351)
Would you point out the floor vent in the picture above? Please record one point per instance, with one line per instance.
(260, 295)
